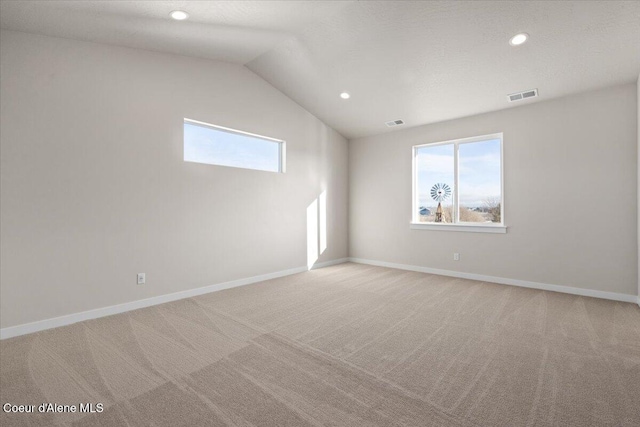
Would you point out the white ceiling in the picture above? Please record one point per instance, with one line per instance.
(422, 62)
(232, 31)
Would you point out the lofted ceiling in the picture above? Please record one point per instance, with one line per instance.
(422, 62)
(231, 31)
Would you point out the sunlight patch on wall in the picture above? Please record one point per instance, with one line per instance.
(322, 206)
(316, 229)
(312, 233)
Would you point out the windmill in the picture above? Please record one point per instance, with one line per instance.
(440, 192)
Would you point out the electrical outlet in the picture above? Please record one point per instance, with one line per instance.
(456, 256)
(141, 278)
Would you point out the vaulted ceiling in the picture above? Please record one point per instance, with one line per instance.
(422, 62)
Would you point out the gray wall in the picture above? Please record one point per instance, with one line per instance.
(570, 169)
(94, 188)
(638, 164)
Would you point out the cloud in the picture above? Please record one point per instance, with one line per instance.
(474, 195)
(486, 163)
(434, 163)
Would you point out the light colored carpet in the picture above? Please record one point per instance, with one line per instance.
(349, 345)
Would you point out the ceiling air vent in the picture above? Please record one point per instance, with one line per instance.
(523, 95)
(393, 123)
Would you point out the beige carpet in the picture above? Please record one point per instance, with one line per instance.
(349, 345)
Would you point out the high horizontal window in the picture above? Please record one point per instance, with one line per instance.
(459, 183)
(216, 145)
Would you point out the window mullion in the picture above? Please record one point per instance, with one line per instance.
(414, 185)
(456, 200)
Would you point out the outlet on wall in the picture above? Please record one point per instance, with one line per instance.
(456, 256)
(141, 278)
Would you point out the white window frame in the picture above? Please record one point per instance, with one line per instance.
(282, 145)
(456, 225)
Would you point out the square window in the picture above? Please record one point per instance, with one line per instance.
(459, 182)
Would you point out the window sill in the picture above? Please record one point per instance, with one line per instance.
(470, 228)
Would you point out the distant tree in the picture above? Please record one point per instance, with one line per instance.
(492, 205)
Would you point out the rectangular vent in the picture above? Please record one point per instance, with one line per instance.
(523, 95)
(394, 123)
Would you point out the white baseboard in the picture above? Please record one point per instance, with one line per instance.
(513, 282)
(41, 325)
(329, 263)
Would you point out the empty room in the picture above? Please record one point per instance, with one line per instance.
(319, 213)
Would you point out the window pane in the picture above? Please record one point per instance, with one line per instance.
(435, 174)
(479, 181)
(203, 144)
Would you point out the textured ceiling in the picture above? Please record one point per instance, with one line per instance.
(425, 62)
(422, 62)
(232, 31)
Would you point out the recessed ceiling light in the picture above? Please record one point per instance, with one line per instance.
(518, 39)
(179, 15)
(345, 95)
